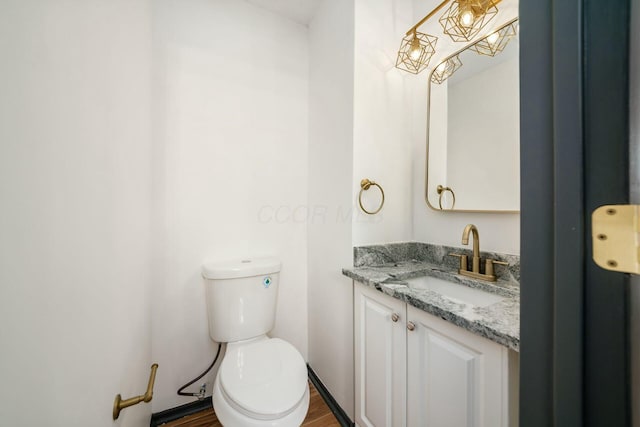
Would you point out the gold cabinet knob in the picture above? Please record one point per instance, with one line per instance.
(411, 326)
(395, 317)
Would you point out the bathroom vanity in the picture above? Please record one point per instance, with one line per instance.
(432, 347)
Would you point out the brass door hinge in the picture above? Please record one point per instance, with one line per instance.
(616, 245)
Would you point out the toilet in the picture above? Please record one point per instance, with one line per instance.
(261, 381)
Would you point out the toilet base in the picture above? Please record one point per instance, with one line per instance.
(230, 417)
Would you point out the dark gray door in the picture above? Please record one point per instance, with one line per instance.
(575, 157)
(634, 182)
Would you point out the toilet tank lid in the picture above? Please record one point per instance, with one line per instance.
(241, 267)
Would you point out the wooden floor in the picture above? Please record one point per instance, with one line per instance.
(319, 415)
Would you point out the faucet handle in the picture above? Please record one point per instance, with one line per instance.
(463, 261)
(489, 266)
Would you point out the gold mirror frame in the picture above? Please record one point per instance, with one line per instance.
(426, 174)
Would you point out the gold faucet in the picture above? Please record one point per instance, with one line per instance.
(475, 262)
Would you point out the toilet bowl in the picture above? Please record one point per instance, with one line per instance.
(261, 381)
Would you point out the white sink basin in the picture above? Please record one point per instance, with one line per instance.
(454, 292)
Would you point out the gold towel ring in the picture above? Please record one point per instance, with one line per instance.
(365, 184)
(441, 190)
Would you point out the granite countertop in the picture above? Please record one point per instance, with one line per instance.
(499, 322)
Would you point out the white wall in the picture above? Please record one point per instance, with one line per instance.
(330, 198)
(382, 121)
(231, 114)
(75, 180)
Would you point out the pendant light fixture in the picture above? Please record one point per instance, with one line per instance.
(446, 69)
(495, 42)
(416, 51)
(464, 19)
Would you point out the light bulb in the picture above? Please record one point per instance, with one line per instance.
(492, 38)
(466, 18)
(415, 51)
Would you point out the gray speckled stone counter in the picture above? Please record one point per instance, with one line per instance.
(499, 322)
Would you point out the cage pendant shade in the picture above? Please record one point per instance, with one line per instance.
(464, 19)
(415, 52)
(495, 42)
(446, 69)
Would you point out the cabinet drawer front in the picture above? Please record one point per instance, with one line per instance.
(380, 347)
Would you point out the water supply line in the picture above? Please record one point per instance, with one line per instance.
(200, 394)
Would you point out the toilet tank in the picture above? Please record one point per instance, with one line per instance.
(241, 297)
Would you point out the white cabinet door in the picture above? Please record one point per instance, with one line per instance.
(380, 350)
(456, 378)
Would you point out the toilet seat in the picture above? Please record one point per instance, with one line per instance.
(264, 379)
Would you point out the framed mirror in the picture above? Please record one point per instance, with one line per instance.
(473, 136)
